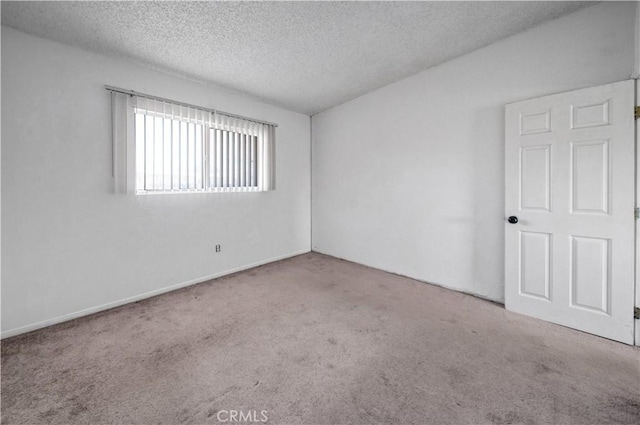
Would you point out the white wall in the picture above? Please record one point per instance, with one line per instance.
(69, 244)
(410, 178)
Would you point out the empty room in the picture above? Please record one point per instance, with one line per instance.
(320, 212)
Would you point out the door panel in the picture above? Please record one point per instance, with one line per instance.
(590, 280)
(570, 181)
(535, 177)
(590, 177)
(535, 262)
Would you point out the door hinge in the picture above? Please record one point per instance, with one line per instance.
(637, 112)
(636, 213)
(636, 313)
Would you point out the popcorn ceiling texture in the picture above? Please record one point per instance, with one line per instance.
(307, 56)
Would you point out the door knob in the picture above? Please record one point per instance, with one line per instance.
(513, 219)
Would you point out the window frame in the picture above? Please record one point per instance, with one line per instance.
(253, 143)
(206, 143)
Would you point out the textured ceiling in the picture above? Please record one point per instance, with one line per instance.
(304, 56)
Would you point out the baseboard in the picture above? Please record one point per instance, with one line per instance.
(451, 288)
(97, 309)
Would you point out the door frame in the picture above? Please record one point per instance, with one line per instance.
(636, 322)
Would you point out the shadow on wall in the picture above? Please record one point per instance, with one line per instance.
(488, 201)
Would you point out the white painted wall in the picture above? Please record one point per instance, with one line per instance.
(71, 246)
(410, 178)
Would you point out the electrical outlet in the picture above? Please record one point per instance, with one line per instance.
(218, 248)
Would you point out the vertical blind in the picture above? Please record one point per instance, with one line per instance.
(180, 148)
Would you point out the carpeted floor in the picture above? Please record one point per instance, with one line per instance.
(316, 340)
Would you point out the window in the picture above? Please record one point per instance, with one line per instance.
(179, 148)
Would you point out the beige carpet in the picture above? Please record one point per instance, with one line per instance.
(316, 340)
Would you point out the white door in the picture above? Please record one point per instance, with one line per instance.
(570, 184)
